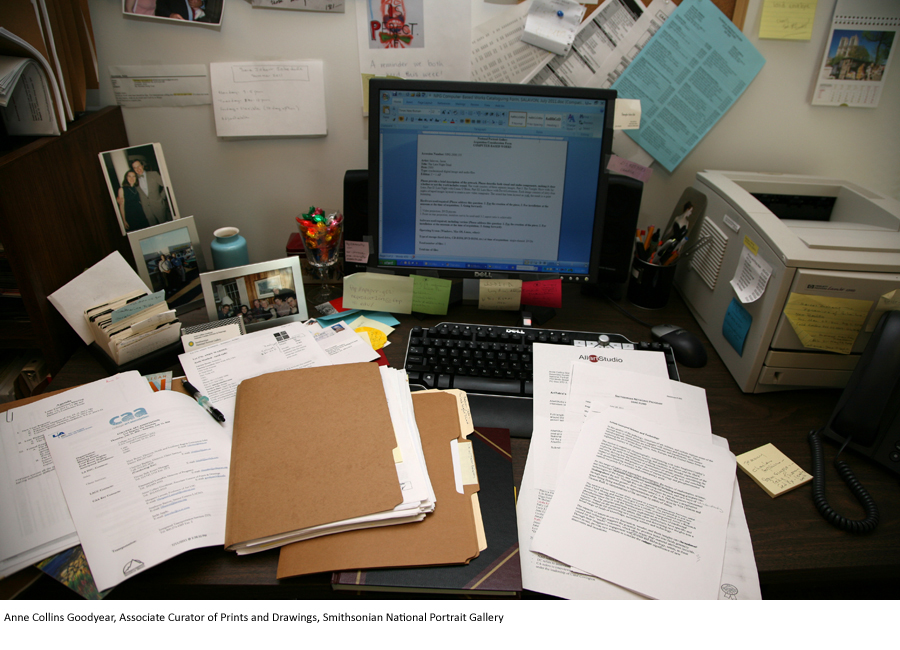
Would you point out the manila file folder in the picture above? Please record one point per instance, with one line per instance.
(302, 456)
(449, 535)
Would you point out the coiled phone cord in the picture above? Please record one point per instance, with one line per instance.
(856, 526)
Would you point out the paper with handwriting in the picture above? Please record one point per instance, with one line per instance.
(268, 98)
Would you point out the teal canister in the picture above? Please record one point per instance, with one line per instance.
(229, 249)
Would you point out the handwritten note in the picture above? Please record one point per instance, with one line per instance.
(378, 292)
(504, 295)
(823, 323)
(356, 251)
(268, 99)
(430, 295)
(629, 168)
(542, 293)
(772, 470)
(788, 20)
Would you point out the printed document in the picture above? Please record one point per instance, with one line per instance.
(145, 476)
(216, 370)
(687, 77)
(34, 519)
(659, 497)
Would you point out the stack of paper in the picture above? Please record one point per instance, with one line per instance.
(626, 492)
(130, 326)
(57, 34)
(34, 519)
(452, 534)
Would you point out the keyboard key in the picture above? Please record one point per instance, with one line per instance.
(488, 385)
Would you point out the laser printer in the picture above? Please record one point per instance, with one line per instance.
(818, 239)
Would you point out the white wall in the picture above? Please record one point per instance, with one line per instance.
(260, 185)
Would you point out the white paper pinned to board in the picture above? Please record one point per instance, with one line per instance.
(269, 99)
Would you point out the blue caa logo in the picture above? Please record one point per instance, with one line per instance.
(125, 418)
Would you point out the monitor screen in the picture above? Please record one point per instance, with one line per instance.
(483, 180)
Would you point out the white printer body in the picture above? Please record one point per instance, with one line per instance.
(850, 251)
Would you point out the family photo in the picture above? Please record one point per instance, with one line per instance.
(260, 293)
(139, 187)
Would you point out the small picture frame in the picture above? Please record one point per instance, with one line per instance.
(139, 186)
(265, 294)
(169, 257)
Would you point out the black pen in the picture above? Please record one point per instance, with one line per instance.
(203, 401)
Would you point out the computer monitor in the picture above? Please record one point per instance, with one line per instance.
(484, 180)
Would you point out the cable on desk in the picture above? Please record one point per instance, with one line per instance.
(856, 526)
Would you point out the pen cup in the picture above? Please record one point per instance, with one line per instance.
(650, 284)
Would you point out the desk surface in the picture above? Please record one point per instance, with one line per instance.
(797, 553)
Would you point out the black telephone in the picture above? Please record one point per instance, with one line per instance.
(866, 419)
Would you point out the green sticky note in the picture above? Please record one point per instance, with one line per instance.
(430, 295)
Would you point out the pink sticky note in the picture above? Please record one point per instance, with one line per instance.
(629, 168)
(356, 251)
(542, 293)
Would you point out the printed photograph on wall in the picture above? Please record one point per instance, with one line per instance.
(139, 186)
(396, 24)
(858, 55)
(188, 12)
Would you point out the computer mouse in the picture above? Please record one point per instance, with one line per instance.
(687, 348)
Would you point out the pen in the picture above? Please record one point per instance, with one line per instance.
(203, 401)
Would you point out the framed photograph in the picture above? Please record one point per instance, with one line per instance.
(139, 186)
(169, 258)
(188, 12)
(265, 294)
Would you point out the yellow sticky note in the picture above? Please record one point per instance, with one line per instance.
(830, 324)
(376, 338)
(378, 292)
(789, 20)
(499, 294)
(772, 470)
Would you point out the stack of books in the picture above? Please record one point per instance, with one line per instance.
(48, 60)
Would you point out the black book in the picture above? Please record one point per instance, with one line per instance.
(497, 570)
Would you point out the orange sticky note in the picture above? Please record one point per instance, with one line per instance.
(542, 293)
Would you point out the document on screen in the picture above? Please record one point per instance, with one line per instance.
(518, 210)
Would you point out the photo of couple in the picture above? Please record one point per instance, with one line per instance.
(139, 187)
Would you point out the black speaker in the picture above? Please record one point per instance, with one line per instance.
(623, 206)
(356, 204)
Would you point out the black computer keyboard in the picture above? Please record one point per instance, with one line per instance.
(492, 360)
